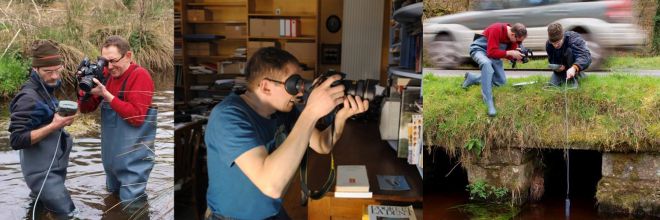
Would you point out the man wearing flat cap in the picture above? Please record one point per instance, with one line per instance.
(38, 131)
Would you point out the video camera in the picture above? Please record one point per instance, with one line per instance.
(88, 71)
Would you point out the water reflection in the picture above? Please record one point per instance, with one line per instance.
(86, 179)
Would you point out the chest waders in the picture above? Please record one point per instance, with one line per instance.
(35, 162)
(127, 151)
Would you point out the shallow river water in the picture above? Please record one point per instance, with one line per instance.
(86, 178)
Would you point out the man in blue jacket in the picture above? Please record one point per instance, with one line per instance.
(38, 131)
(569, 54)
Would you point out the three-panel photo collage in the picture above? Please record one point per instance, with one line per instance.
(329, 109)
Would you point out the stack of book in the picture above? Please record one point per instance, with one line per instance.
(240, 52)
(201, 70)
(352, 182)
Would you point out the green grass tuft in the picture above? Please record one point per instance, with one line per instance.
(13, 73)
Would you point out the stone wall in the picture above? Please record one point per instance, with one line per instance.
(504, 168)
(630, 184)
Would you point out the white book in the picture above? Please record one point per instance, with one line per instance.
(352, 178)
(360, 195)
(294, 27)
(282, 26)
(287, 28)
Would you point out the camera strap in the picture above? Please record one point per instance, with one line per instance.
(316, 194)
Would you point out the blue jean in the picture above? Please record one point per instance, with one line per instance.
(492, 70)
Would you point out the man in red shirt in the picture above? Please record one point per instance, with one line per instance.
(128, 123)
(499, 40)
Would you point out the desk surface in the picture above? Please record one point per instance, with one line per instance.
(361, 145)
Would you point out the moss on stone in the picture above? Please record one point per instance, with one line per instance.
(629, 197)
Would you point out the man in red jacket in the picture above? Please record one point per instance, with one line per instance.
(128, 124)
(499, 40)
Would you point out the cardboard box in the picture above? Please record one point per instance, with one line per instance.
(231, 67)
(253, 46)
(305, 52)
(202, 48)
(235, 31)
(200, 15)
(264, 27)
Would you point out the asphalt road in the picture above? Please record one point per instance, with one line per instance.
(523, 73)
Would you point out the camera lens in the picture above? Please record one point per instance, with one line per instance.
(364, 89)
(359, 88)
(369, 89)
(86, 83)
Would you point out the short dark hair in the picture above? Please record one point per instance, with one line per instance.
(519, 30)
(267, 62)
(555, 32)
(119, 42)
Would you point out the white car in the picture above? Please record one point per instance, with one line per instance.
(605, 25)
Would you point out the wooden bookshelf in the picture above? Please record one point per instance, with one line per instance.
(231, 19)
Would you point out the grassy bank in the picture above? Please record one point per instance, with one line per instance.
(613, 63)
(610, 113)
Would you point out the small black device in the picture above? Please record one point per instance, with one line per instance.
(67, 108)
(527, 53)
(88, 71)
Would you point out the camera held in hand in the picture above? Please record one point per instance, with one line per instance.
(88, 71)
(526, 54)
(365, 89)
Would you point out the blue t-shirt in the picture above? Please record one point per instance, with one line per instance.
(234, 128)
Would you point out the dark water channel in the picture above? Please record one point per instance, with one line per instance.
(445, 197)
(86, 179)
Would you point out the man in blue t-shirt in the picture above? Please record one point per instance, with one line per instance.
(257, 140)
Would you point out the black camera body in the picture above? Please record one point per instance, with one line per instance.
(88, 71)
(527, 53)
(365, 89)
